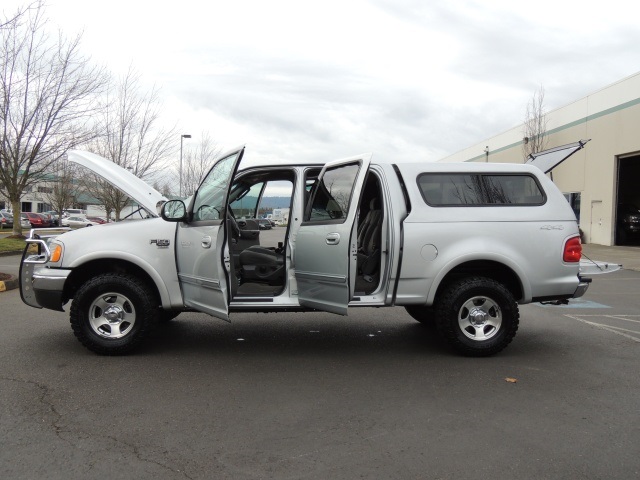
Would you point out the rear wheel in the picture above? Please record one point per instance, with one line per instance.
(477, 316)
(112, 313)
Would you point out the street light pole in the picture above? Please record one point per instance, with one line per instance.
(182, 137)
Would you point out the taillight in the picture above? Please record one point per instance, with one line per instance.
(572, 250)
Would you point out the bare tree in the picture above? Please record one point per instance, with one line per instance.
(197, 162)
(47, 91)
(111, 198)
(164, 188)
(128, 133)
(63, 187)
(535, 125)
(18, 15)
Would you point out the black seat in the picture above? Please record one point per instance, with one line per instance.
(369, 238)
(363, 227)
(262, 264)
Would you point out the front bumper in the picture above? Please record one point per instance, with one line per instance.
(42, 287)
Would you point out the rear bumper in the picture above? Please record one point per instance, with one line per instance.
(583, 286)
(580, 290)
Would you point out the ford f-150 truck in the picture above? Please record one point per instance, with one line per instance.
(459, 245)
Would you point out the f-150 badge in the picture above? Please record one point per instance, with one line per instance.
(160, 243)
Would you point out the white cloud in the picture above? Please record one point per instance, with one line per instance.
(404, 79)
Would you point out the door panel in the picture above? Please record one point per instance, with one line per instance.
(200, 270)
(200, 241)
(326, 245)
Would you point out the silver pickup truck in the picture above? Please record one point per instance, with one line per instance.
(457, 245)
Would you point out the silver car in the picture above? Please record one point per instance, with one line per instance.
(457, 245)
(77, 222)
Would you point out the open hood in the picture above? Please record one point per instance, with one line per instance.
(137, 189)
(549, 159)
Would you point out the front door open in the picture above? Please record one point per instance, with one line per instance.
(200, 244)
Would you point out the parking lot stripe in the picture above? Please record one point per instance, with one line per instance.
(609, 328)
(624, 317)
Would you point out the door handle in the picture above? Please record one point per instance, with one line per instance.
(206, 242)
(333, 238)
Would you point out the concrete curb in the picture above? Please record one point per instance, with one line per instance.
(9, 284)
(6, 254)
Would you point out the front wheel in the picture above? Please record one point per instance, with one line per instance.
(112, 313)
(477, 316)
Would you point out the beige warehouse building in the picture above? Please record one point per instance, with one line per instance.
(599, 177)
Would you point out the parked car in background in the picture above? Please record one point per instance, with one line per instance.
(6, 221)
(264, 224)
(99, 220)
(628, 223)
(77, 222)
(55, 221)
(36, 220)
(74, 212)
(50, 219)
(24, 223)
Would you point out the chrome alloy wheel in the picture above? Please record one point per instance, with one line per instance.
(480, 318)
(112, 315)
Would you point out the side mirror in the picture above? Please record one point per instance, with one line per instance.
(174, 211)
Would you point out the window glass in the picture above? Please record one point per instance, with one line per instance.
(333, 193)
(211, 195)
(245, 205)
(450, 189)
(512, 190)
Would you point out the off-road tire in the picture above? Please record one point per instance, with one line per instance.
(122, 299)
(477, 316)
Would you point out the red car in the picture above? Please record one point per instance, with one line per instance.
(36, 220)
(99, 220)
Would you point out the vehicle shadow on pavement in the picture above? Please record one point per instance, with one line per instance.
(287, 335)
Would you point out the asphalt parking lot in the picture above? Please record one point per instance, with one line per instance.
(372, 395)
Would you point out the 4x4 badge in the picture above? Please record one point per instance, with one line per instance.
(160, 243)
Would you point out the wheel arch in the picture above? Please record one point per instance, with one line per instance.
(80, 274)
(508, 275)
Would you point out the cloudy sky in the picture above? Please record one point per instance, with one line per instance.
(406, 79)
